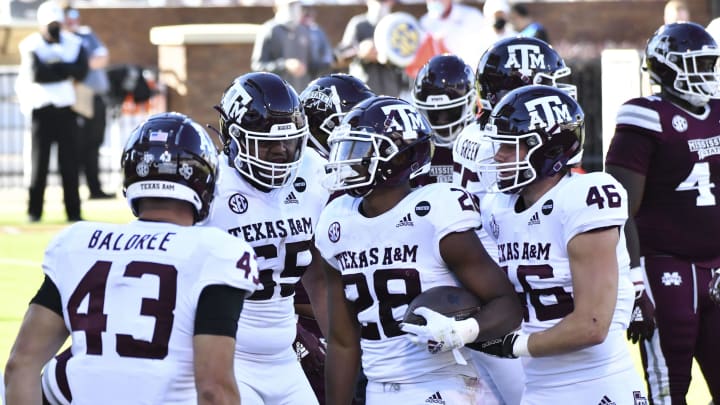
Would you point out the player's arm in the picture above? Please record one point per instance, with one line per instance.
(216, 322)
(642, 323)
(315, 284)
(41, 335)
(477, 271)
(594, 269)
(343, 350)
(634, 183)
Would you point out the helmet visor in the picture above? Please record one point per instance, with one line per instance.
(354, 157)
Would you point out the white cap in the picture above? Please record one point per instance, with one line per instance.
(493, 6)
(50, 11)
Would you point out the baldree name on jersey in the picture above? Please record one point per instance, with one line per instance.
(280, 228)
(102, 240)
(365, 258)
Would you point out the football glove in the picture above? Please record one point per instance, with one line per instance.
(441, 333)
(642, 320)
(310, 351)
(510, 346)
(715, 287)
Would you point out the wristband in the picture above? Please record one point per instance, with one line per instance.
(637, 277)
(468, 329)
(520, 347)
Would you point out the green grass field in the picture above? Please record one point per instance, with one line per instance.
(21, 251)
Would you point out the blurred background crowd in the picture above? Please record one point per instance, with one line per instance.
(171, 54)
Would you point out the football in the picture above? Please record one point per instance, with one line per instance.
(447, 300)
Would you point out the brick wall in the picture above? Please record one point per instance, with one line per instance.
(126, 31)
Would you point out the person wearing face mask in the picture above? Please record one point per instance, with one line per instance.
(284, 46)
(498, 26)
(50, 59)
(452, 25)
(357, 49)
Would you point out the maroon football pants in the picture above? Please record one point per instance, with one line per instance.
(688, 326)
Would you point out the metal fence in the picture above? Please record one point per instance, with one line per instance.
(15, 137)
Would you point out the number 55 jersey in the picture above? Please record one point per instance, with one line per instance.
(279, 225)
(388, 260)
(532, 248)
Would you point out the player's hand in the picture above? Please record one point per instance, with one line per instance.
(295, 67)
(715, 287)
(642, 321)
(440, 333)
(499, 347)
(310, 351)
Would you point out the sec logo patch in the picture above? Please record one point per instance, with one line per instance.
(238, 203)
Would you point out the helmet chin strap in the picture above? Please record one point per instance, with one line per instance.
(691, 102)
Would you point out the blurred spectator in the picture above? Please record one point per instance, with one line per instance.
(92, 127)
(50, 60)
(449, 22)
(357, 48)
(497, 15)
(321, 50)
(284, 46)
(525, 25)
(676, 10)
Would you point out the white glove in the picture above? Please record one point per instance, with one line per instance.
(441, 333)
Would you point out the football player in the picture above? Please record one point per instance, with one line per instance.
(444, 93)
(151, 306)
(559, 237)
(665, 153)
(510, 63)
(269, 195)
(325, 101)
(381, 144)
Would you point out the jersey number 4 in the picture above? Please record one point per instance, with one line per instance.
(699, 179)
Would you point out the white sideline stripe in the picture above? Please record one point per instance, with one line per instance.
(20, 262)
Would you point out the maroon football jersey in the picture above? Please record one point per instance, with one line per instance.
(679, 154)
(441, 168)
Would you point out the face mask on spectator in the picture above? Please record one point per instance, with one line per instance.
(53, 30)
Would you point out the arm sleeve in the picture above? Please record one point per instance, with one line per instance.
(218, 310)
(48, 296)
(79, 69)
(48, 72)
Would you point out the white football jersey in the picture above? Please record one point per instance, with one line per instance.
(388, 260)
(279, 225)
(532, 246)
(469, 149)
(129, 294)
